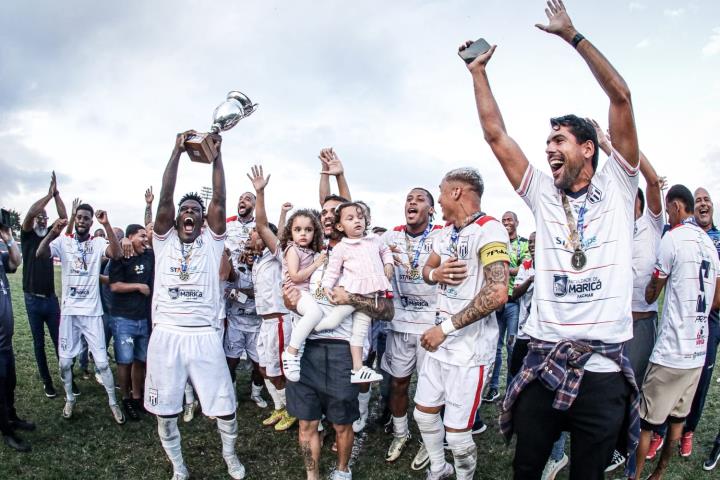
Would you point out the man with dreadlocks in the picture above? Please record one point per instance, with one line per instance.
(184, 345)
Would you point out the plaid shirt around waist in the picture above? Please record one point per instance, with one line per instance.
(560, 367)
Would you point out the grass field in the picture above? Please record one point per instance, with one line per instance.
(92, 446)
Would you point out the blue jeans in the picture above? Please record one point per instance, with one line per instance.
(43, 311)
(131, 340)
(507, 318)
(558, 449)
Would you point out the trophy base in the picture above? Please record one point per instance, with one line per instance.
(201, 148)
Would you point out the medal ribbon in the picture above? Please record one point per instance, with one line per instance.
(455, 235)
(185, 256)
(416, 257)
(577, 231)
(82, 252)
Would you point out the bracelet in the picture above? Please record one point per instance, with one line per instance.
(10, 242)
(430, 275)
(577, 39)
(447, 326)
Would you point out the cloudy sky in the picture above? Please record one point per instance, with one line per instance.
(97, 91)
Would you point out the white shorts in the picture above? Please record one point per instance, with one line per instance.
(90, 327)
(273, 336)
(458, 388)
(403, 354)
(238, 342)
(178, 354)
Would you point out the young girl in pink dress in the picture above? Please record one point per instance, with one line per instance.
(362, 265)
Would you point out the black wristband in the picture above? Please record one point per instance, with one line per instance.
(577, 39)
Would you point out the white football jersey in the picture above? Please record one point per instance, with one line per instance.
(267, 279)
(646, 240)
(595, 302)
(80, 263)
(237, 235)
(526, 270)
(192, 300)
(242, 315)
(689, 261)
(476, 343)
(414, 299)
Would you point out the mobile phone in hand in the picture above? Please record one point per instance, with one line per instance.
(477, 48)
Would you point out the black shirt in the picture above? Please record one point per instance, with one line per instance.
(7, 325)
(38, 273)
(137, 269)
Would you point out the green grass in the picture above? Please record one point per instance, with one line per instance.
(92, 446)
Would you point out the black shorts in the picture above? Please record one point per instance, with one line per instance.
(324, 386)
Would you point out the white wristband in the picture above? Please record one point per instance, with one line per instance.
(430, 275)
(447, 326)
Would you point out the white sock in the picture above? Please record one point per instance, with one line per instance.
(66, 375)
(364, 400)
(433, 433)
(108, 382)
(464, 453)
(274, 394)
(256, 390)
(228, 434)
(189, 394)
(400, 426)
(170, 439)
(283, 398)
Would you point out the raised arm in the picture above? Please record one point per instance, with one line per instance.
(216, 210)
(165, 216)
(149, 198)
(653, 194)
(113, 251)
(43, 250)
(621, 118)
(14, 257)
(71, 222)
(332, 166)
(38, 206)
(286, 207)
(259, 182)
(506, 150)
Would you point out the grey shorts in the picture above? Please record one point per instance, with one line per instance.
(324, 386)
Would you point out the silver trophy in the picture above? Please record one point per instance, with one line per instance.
(237, 105)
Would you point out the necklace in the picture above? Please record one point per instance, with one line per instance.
(414, 256)
(185, 256)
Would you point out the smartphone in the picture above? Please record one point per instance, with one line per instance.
(477, 48)
(5, 219)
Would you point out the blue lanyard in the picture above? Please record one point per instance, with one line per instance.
(416, 257)
(581, 220)
(455, 235)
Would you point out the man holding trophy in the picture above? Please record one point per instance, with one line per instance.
(184, 344)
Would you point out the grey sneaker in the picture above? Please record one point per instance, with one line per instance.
(118, 414)
(68, 410)
(235, 469)
(447, 472)
(553, 467)
(338, 475)
(189, 411)
(181, 474)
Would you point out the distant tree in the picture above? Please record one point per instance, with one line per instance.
(15, 224)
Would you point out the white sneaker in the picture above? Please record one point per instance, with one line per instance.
(365, 375)
(396, 447)
(359, 424)
(68, 409)
(235, 469)
(553, 467)
(421, 459)
(291, 366)
(338, 475)
(447, 472)
(182, 474)
(189, 411)
(118, 414)
(259, 401)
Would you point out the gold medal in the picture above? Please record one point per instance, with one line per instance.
(578, 260)
(414, 273)
(184, 276)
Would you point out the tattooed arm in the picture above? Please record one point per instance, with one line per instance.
(382, 309)
(491, 296)
(653, 289)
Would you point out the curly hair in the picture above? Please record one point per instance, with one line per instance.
(361, 208)
(316, 244)
(193, 196)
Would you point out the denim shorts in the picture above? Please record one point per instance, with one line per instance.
(130, 339)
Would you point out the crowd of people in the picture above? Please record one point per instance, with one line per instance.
(322, 306)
